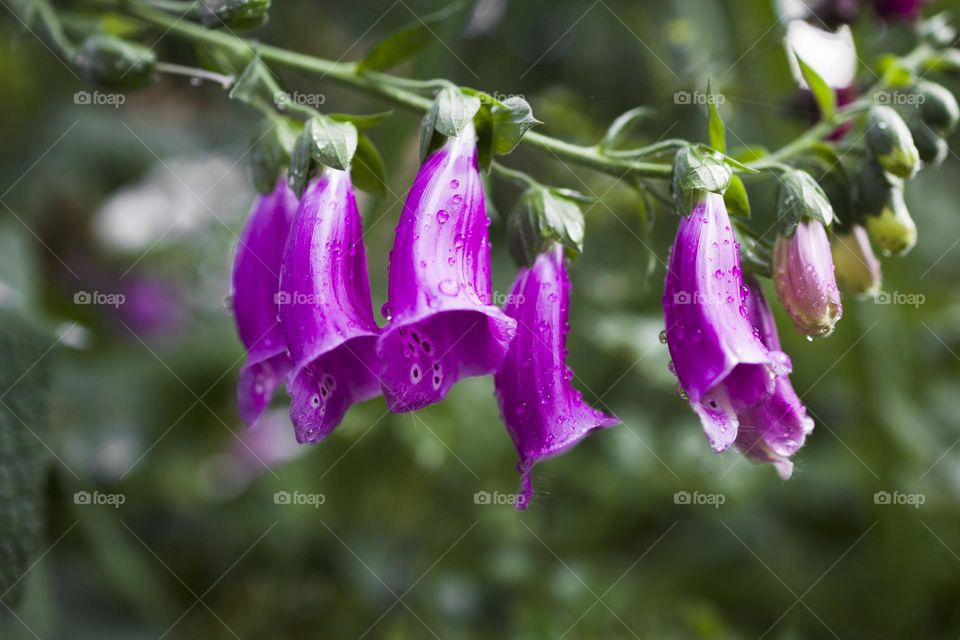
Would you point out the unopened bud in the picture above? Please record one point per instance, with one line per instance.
(855, 264)
(889, 139)
(893, 229)
(938, 108)
(237, 15)
(114, 62)
(804, 277)
(932, 148)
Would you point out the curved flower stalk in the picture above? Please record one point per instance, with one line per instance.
(256, 280)
(805, 280)
(325, 309)
(442, 324)
(776, 428)
(544, 414)
(722, 366)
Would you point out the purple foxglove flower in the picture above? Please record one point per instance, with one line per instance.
(775, 429)
(722, 366)
(442, 324)
(325, 309)
(544, 414)
(256, 281)
(805, 281)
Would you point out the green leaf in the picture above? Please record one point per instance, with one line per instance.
(624, 124)
(274, 141)
(405, 43)
(823, 93)
(736, 199)
(716, 129)
(334, 142)
(698, 169)
(301, 159)
(483, 122)
(249, 87)
(510, 122)
(749, 153)
(428, 127)
(25, 434)
(455, 111)
(367, 170)
(800, 197)
(541, 217)
(362, 121)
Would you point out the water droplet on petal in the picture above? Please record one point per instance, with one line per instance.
(442, 216)
(449, 287)
(454, 184)
(663, 337)
(457, 199)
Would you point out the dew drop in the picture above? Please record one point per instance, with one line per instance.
(454, 184)
(385, 311)
(449, 287)
(442, 216)
(718, 274)
(663, 337)
(457, 199)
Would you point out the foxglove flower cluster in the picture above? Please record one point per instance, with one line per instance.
(544, 414)
(722, 366)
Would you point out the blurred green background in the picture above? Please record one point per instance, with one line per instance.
(134, 403)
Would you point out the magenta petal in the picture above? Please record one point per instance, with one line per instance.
(543, 412)
(256, 280)
(442, 324)
(721, 365)
(325, 309)
(776, 428)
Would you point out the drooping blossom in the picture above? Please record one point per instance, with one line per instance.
(325, 309)
(545, 415)
(722, 366)
(804, 277)
(256, 281)
(442, 326)
(774, 429)
(856, 265)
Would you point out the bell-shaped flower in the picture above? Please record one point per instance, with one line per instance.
(722, 366)
(545, 415)
(804, 277)
(442, 326)
(857, 267)
(325, 309)
(774, 429)
(256, 281)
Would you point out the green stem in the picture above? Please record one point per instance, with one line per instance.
(385, 87)
(512, 175)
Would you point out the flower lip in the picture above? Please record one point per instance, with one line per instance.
(326, 310)
(722, 366)
(442, 325)
(256, 280)
(545, 415)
